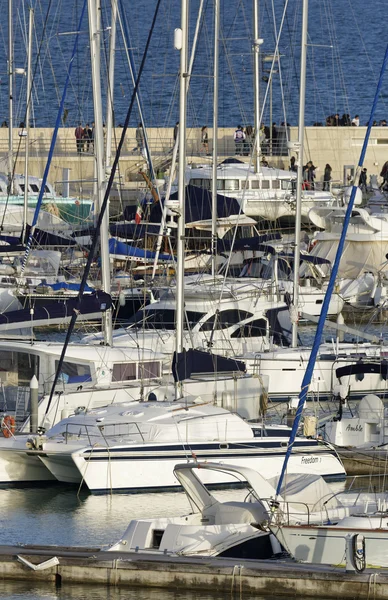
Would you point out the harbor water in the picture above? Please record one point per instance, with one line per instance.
(23, 591)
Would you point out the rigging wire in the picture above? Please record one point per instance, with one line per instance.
(103, 206)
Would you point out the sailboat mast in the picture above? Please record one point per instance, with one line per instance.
(94, 9)
(256, 84)
(27, 123)
(182, 45)
(111, 77)
(10, 96)
(299, 181)
(215, 133)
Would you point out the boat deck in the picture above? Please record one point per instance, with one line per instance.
(96, 566)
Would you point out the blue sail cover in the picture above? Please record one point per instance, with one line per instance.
(92, 303)
(133, 231)
(122, 249)
(251, 243)
(198, 206)
(188, 362)
(65, 286)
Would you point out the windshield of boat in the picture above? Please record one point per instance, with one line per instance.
(98, 433)
(149, 318)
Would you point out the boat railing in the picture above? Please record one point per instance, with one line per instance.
(288, 510)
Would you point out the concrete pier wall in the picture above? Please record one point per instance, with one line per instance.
(338, 146)
(228, 576)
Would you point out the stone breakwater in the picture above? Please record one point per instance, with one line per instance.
(338, 146)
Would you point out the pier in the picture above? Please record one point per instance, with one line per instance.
(95, 566)
(338, 146)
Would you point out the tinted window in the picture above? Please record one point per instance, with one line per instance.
(265, 184)
(225, 319)
(255, 184)
(124, 372)
(74, 372)
(256, 328)
(275, 184)
(149, 370)
(34, 187)
(163, 319)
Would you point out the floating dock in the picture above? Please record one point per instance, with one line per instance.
(65, 565)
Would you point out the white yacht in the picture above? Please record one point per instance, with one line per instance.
(134, 447)
(229, 318)
(268, 194)
(236, 528)
(362, 270)
(70, 209)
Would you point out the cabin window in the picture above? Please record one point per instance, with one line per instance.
(255, 184)
(285, 183)
(220, 184)
(21, 185)
(202, 183)
(47, 189)
(149, 370)
(257, 328)
(74, 372)
(18, 368)
(245, 184)
(34, 188)
(275, 184)
(265, 184)
(124, 371)
(225, 319)
(231, 184)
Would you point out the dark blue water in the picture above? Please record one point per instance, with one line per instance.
(346, 46)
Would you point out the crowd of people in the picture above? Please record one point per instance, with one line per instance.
(347, 121)
(84, 138)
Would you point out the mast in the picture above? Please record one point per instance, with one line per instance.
(256, 82)
(181, 43)
(330, 287)
(10, 96)
(215, 134)
(27, 123)
(299, 180)
(94, 10)
(111, 77)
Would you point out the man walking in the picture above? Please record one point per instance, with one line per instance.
(239, 138)
(79, 134)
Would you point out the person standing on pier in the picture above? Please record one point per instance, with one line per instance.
(384, 175)
(327, 178)
(87, 136)
(79, 134)
(362, 182)
(239, 138)
(249, 139)
(140, 138)
(309, 176)
(205, 140)
(176, 129)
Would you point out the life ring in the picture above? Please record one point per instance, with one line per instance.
(8, 426)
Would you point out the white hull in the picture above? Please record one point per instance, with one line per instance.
(286, 368)
(327, 545)
(17, 466)
(154, 470)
